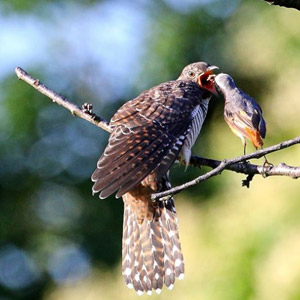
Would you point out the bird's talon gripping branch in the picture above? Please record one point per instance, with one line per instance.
(164, 199)
(267, 166)
(264, 173)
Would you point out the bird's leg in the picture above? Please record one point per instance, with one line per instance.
(266, 166)
(267, 163)
(244, 145)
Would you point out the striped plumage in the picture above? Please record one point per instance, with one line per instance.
(151, 251)
(148, 134)
(241, 112)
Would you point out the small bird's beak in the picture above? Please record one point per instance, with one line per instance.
(207, 80)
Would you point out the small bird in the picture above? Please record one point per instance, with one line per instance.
(148, 134)
(241, 112)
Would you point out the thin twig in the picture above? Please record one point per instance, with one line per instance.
(60, 100)
(225, 163)
(249, 169)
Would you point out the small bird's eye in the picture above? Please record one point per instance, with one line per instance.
(191, 74)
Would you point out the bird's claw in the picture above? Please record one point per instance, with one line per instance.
(266, 167)
(166, 198)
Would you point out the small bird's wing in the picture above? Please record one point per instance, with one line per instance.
(259, 121)
(237, 117)
(245, 113)
(146, 130)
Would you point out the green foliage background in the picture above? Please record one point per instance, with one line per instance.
(59, 242)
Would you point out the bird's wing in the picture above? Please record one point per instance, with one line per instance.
(246, 114)
(146, 130)
(260, 123)
(237, 116)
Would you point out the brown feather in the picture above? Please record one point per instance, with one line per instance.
(156, 243)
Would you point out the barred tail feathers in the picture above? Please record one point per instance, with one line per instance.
(151, 251)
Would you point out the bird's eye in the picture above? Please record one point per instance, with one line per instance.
(191, 74)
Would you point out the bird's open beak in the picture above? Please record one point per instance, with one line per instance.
(207, 79)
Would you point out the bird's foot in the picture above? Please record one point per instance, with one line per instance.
(267, 166)
(166, 198)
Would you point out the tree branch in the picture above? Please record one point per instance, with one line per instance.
(285, 3)
(237, 164)
(281, 169)
(85, 112)
(249, 169)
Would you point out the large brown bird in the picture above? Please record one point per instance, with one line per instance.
(148, 134)
(241, 112)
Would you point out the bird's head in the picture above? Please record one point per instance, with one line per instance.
(224, 83)
(201, 73)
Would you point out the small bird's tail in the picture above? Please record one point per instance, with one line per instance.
(255, 137)
(151, 251)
